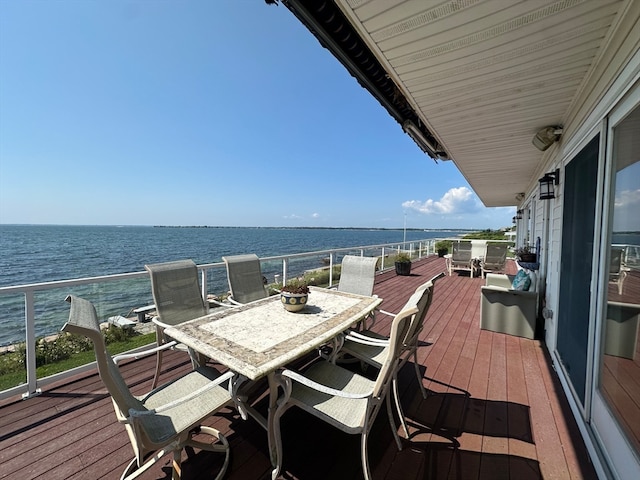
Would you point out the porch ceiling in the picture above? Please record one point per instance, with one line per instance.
(481, 76)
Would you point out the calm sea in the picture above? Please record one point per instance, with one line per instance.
(44, 253)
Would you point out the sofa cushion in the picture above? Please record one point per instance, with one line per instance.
(522, 281)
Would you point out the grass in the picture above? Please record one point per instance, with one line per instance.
(14, 378)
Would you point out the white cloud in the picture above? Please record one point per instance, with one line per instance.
(627, 198)
(456, 201)
(315, 215)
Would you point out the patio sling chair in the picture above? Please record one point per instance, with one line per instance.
(617, 270)
(495, 256)
(177, 296)
(166, 418)
(373, 349)
(246, 283)
(340, 397)
(461, 257)
(357, 276)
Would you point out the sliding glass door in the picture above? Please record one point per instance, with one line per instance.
(580, 185)
(616, 402)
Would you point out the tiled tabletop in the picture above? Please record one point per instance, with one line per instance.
(259, 337)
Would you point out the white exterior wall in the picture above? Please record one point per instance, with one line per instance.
(616, 73)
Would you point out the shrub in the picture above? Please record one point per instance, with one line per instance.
(402, 257)
(443, 245)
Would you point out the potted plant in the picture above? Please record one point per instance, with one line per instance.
(294, 295)
(525, 254)
(403, 264)
(442, 248)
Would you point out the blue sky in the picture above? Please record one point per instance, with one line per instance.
(202, 113)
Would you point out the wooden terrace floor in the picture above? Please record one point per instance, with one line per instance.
(495, 411)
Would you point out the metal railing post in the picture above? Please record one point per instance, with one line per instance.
(203, 285)
(30, 341)
(285, 265)
(330, 268)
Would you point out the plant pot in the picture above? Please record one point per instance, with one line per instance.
(294, 302)
(528, 258)
(403, 268)
(442, 252)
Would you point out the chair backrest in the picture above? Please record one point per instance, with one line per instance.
(461, 251)
(615, 264)
(400, 328)
(495, 254)
(478, 248)
(357, 275)
(83, 320)
(176, 291)
(246, 283)
(423, 305)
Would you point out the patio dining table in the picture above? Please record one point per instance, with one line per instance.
(256, 339)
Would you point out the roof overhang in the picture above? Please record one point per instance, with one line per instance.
(470, 80)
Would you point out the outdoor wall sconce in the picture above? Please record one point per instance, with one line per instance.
(546, 137)
(514, 220)
(546, 184)
(519, 215)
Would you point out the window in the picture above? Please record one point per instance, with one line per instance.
(619, 379)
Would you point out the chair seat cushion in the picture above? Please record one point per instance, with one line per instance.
(522, 281)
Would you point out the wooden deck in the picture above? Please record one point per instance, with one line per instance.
(494, 411)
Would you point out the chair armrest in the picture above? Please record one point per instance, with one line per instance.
(366, 340)
(144, 353)
(215, 383)
(498, 280)
(321, 388)
(220, 304)
(509, 291)
(234, 303)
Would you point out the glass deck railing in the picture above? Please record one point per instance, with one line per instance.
(31, 313)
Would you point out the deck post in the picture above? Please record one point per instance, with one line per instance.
(30, 330)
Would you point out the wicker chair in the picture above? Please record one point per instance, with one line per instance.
(166, 418)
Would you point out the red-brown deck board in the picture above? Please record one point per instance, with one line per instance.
(494, 410)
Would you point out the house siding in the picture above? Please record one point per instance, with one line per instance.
(615, 74)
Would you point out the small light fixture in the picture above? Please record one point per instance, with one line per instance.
(546, 137)
(546, 184)
(514, 220)
(519, 215)
(520, 196)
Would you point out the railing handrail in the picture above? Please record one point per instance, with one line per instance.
(31, 386)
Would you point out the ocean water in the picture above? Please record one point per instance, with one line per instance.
(43, 253)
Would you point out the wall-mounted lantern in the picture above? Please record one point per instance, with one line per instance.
(546, 184)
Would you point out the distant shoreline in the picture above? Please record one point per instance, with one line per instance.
(413, 229)
(331, 228)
